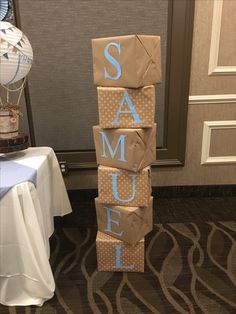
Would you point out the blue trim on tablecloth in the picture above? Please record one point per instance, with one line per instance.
(12, 173)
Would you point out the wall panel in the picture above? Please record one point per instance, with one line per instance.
(63, 96)
(227, 44)
(204, 32)
(223, 142)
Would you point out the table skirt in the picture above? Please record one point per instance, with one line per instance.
(26, 223)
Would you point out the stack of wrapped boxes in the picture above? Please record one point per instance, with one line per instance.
(125, 69)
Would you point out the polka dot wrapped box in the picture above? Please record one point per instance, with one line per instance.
(130, 149)
(126, 108)
(122, 187)
(127, 61)
(129, 224)
(116, 255)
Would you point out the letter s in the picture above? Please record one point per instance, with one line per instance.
(113, 61)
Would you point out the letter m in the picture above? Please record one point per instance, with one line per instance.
(113, 152)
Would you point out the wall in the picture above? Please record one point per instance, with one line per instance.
(66, 92)
(212, 98)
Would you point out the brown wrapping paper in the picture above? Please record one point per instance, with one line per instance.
(116, 255)
(130, 149)
(126, 61)
(122, 187)
(126, 107)
(129, 224)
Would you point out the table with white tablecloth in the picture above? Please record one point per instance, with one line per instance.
(26, 223)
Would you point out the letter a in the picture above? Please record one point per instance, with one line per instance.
(121, 142)
(113, 61)
(115, 191)
(132, 110)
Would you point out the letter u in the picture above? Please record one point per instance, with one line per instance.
(115, 189)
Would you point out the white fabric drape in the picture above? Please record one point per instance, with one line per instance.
(26, 223)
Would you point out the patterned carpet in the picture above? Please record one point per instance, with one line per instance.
(190, 268)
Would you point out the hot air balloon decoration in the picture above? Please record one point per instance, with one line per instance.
(4, 5)
(16, 57)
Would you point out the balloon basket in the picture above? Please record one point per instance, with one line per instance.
(9, 145)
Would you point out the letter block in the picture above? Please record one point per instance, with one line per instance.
(116, 255)
(126, 61)
(122, 187)
(129, 224)
(130, 149)
(126, 108)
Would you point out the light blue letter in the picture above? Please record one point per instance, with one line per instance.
(121, 142)
(118, 263)
(110, 221)
(114, 187)
(132, 111)
(113, 61)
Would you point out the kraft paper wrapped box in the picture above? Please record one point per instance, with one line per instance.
(122, 187)
(129, 224)
(126, 107)
(130, 149)
(127, 61)
(116, 255)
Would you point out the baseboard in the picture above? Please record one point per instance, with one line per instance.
(195, 191)
(87, 195)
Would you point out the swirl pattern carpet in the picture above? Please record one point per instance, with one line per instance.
(190, 264)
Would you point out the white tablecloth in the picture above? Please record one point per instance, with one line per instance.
(26, 223)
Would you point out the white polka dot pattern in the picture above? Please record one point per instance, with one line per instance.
(109, 101)
(124, 186)
(131, 257)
